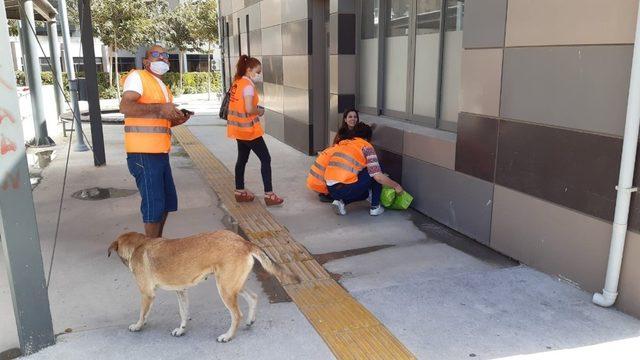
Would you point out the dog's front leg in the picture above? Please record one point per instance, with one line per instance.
(147, 299)
(183, 305)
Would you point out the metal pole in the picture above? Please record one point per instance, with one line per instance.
(625, 181)
(18, 226)
(54, 56)
(23, 61)
(33, 68)
(84, 8)
(79, 144)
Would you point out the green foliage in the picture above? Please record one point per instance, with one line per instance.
(123, 24)
(206, 21)
(181, 30)
(13, 27)
(194, 82)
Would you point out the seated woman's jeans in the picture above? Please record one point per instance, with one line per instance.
(358, 191)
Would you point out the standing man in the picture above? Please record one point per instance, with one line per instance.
(147, 105)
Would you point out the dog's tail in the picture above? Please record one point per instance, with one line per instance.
(285, 276)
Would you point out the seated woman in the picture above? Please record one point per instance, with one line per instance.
(353, 173)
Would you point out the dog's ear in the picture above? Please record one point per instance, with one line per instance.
(113, 247)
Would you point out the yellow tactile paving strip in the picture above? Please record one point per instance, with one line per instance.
(348, 328)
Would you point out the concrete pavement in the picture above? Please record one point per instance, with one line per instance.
(444, 296)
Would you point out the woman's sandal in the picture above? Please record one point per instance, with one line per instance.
(244, 196)
(272, 199)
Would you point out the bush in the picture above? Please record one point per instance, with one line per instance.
(193, 82)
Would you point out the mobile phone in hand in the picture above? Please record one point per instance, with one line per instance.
(186, 112)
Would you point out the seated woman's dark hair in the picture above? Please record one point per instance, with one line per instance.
(363, 131)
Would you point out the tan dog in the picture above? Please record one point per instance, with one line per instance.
(182, 263)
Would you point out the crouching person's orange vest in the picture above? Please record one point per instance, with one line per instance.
(241, 125)
(147, 135)
(315, 179)
(347, 161)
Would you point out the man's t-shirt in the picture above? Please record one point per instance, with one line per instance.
(134, 83)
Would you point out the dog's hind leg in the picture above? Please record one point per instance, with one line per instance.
(230, 299)
(147, 299)
(252, 299)
(183, 305)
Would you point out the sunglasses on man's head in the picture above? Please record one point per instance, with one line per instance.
(158, 54)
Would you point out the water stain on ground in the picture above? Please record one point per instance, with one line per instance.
(10, 354)
(438, 233)
(276, 292)
(97, 193)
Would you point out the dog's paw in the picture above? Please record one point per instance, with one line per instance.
(250, 322)
(178, 331)
(135, 327)
(223, 338)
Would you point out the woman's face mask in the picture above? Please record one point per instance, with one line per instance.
(257, 77)
(159, 67)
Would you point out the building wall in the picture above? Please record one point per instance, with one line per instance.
(546, 99)
(278, 35)
(505, 124)
(531, 165)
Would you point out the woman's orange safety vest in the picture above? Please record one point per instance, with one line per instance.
(347, 161)
(147, 135)
(241, 125)
(315, 179)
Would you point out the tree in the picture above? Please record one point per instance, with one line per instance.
(122, 25)
(206, 20)
(182, 30)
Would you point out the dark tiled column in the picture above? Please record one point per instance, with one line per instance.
(342, 61)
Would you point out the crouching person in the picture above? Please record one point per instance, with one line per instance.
(354, 174)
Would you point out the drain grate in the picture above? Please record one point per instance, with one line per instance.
(97, 193)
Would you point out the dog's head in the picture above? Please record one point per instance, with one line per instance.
(125, 244)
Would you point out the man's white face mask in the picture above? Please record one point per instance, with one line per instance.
(159, 67)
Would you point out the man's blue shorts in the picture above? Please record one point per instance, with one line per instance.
(155, 183)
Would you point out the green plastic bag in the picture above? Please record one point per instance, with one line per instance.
(387, 197)
(402, 201)
(391, 200)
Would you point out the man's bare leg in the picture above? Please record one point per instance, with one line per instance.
(154, 230)
(164, 220)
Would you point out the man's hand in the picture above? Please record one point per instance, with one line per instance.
(170, 112)
(260, 111)
(398, 189)
(181, 121)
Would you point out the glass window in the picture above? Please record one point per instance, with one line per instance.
(455, 13)
(428, 16)
(370, 13)
(398, 17)
(368, 54)
(452, 63)
(425, 76)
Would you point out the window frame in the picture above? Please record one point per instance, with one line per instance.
(407, 115)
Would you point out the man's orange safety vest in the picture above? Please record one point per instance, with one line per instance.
(241, 125)
(148, 135)
(315, 179)
(347, 161)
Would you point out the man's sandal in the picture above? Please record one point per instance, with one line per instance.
(243, 196)
(271, 199)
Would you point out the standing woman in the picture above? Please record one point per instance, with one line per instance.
(349, 120)
(243, 124)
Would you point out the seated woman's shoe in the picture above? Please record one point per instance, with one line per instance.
(244, 196)
(272, 199)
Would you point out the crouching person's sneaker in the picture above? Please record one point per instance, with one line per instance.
(376, 210)
(341, 209)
